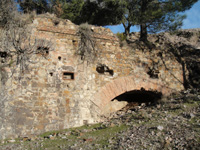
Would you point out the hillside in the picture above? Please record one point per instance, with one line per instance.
(171, 123)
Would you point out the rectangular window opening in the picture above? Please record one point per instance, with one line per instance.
(68, 75)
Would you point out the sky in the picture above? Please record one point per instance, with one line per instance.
(192, 20)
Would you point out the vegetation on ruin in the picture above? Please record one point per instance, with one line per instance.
(16, 44)
(86, 48)
(121, 36)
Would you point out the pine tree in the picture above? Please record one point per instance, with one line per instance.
(150, 15)
(72, 10)
(160, 15)
(40, 6)
(102, 12)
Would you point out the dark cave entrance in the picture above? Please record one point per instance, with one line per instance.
(137, 97)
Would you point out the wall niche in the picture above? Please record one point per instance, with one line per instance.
(68, 75)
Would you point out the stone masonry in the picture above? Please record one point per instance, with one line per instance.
(60, 91)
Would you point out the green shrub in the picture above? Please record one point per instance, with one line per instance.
(121, 36)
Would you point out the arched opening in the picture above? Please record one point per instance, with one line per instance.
(140, 96)
(140, 89)
(129, 100)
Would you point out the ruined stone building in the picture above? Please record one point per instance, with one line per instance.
(60, 90)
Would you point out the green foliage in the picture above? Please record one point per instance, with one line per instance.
(40, 6)
(151, 15)
(159, 15)
(121, 36)
(94, 12)
(98, 133)
(130, 8)
(102, 12)
(72, 10)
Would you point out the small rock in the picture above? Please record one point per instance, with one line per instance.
(192, 115)
(158, 106)
(129, 111)
(160, 128)
(52, 137)
(112, 125)
(11, 141)
(158, 134)
(68, 133)
(88, 140)
(143, 104)
(64, 137)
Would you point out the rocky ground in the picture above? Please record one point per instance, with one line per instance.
(171, 123)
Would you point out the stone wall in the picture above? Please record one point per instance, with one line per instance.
(60, 91)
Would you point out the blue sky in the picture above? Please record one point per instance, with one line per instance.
(192, 20)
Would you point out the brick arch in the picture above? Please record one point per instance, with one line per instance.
(125, 84)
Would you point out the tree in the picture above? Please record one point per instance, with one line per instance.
(128, 9)
(158, 15)
(72, 10)
(40, 6)
(150, 15)
(99, 12)
(102, 12)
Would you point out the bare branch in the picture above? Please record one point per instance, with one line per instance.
(86, 49)
(17, 45)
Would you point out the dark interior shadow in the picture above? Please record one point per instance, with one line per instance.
(140, 96)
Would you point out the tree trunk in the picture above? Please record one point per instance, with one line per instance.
(143, 26)
(127, 29)
(143, 32)
(185, 81)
